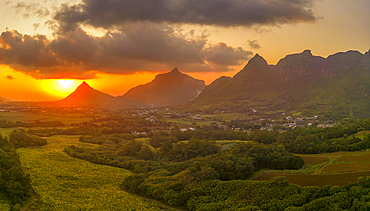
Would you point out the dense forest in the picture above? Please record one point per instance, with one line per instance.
(14, 183)
(191, 193)
(20, 138)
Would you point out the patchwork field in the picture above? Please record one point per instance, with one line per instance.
(317, 179)
(65, 183)
(338, 168)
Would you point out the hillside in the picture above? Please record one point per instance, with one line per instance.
(167, 89)
(337, 86)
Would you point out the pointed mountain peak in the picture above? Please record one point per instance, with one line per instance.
(85, 95)
(257, 60)
(175, 70)
(84, 85)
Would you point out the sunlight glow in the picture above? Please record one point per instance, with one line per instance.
(66, 83)
(59, 89)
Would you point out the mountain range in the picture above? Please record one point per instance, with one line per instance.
(166, 89)
(337, 86)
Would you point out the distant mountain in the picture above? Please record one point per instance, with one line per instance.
(337, 86)
(4, 99)
(85, 95)
(167, 89)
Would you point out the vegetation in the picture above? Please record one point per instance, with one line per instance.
(47, 132)
(278, 194)
(14, 183)
(65, 183)
(20, 138)
(208, 167)
(314, 140)
(8, 124)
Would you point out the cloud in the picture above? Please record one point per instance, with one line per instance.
(225, 13)
(31, 9)
(253, 44)
(137, 47)
(139, 35)
(221, 54)
(36, 26)
(9, 77)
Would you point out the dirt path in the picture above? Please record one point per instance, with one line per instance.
(162, 206)
(34, 197)
(331, 161)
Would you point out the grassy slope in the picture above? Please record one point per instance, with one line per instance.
(65, 183)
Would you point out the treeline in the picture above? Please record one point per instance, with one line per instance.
(314, 140)
(184, 187)
(47, 132)
(14, 183)
(20, 138)
(238, 162)
(196, 189)
(100, 139)
(9, 124)
(208, 132)
(310, 140)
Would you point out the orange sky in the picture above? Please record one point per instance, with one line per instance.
(26, 88)
(210, 50)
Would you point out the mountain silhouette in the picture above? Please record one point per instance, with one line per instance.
(86, 95)
(167, 89)
(4, 99)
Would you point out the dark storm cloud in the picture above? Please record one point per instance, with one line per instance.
(221, 54)
(138, 47)
(225, 13)
(253, 44)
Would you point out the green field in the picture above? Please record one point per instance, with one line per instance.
(361, 134)
(65, 183)
(7, 131)
(28, 117)
(317, 179)
(338, 168)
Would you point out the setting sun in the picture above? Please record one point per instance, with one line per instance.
(66, 83)
(58, 89)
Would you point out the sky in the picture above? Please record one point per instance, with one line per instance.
(48, 47)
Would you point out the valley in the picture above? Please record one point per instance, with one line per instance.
(219, 105)
(145, 160)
